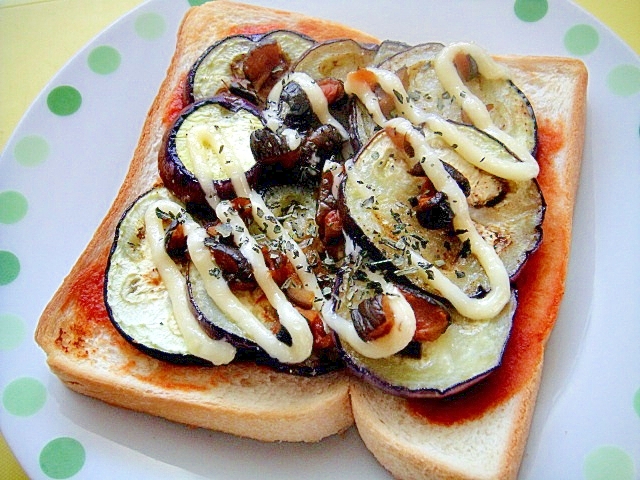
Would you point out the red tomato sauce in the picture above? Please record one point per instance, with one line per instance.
(88, 292)
(87, 300)
(177, 102)
(532, 323)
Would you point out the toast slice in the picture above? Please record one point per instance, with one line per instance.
(91, 357)
(489, 442)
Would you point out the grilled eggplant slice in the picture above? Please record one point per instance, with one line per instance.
(429, 371)
(377, 204)
(508, 107)
(361, 125)
(137, 301)
(335, 59)
(331, 62)
(217, 67)
(245, 65)
(206, 136)
(216, 323)
(464, 354)
(295, 208)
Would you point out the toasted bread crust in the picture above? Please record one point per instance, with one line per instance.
(90, 357)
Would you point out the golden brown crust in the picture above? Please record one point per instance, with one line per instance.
(86, 352)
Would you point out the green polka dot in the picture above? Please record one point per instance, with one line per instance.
(31, 150)
(581, 39)
(62, 458)
(624, 80)
(530, 10)
(64, 100)
(9, 267)
(195, 3)
(636, 402)
(608, 462)
(150, 26)
(12, 331)
(104, 60)
(24, 397)
(13, 207)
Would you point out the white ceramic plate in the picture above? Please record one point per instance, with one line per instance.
(60, 173)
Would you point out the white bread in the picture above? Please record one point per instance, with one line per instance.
(92, 358)
(492, 445)
(87, 353)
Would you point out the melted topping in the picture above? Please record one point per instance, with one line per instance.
(231, 306)
(475, 308)
(200, 137)
(473, 106)
(316, 97)
(290, 318)
(200, 141)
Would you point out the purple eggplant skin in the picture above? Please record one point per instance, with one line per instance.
(181, 181)
(508, 99)
(210, 327)
(361, 127)
(335, 58)
(319, 363)
(355, 232)
(175, 358)
(526, 235)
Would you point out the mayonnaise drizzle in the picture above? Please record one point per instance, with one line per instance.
(290, 318)
(268, 223)
(198, 137)
(266, 220)
(476, 308)
(391, 84)
(404, 319)
(217, 288)
(197, 341)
